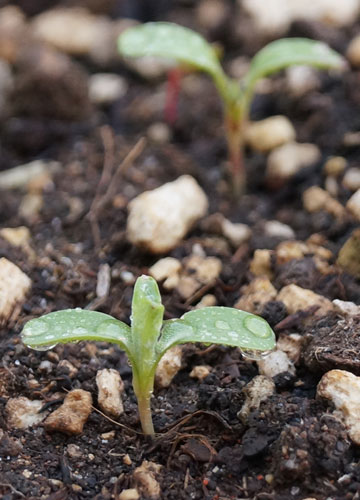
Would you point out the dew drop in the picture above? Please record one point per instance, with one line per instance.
(35, 328)
(222, 325)
(80, 331)
(42, 347)
(257, 327)
(108, 327)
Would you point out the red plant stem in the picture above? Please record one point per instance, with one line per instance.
(172, 95)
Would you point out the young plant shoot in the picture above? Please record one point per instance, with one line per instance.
(188, 48)
(149, 336)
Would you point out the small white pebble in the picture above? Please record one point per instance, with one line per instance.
(110, 387)
(343, 389)
(167, 269)
(168, 366)
(103, 281)
(275, 363)
(45, 366)
(14, 285)
(285, 161)
(130, 494)
(353, 205)
(207, 300)
(236, 233)
(351, 179)
(159, 133)
(159, 219)
(346, 307)
(292, 345)
(277, 229)
(268, 134)
(127, 277)
(105, 88)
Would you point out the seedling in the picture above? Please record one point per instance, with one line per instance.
(149, 337)
(188, 48)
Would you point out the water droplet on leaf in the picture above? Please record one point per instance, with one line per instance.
(80, 331)
(257, 327)
(35, 328)
(222, 325)
(42, 347)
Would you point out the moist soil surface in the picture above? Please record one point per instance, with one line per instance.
(293, 445)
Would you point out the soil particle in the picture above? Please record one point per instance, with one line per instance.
(312, 447)
(49, 85)
(301, 272)
(72, 414)
(335, 344)
(274, 311)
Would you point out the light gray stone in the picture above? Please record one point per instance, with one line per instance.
(159, 219)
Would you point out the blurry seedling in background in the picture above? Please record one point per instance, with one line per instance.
(170, 41)
(149, 337)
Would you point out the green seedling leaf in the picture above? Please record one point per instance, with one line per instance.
(72, 325)
(219, 325)
(180, 44)
(289, 52)
(169, 41)
(148, 338)
(146, 319)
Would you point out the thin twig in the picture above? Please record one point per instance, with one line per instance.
(116, 423)
(110, 179)
(200, 293)
(107, 137)
(11, 487)
(129, 159)
(108, 140)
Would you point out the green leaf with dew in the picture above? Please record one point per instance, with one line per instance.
(72, 325)
(148, 338)
(218, 325)
(169, 41)
(289, 52)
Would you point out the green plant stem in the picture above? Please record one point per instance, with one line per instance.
(143, 384)
(145, 415)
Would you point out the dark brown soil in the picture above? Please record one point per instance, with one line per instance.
(293, 446)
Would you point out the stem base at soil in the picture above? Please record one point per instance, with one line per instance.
(145, 416)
